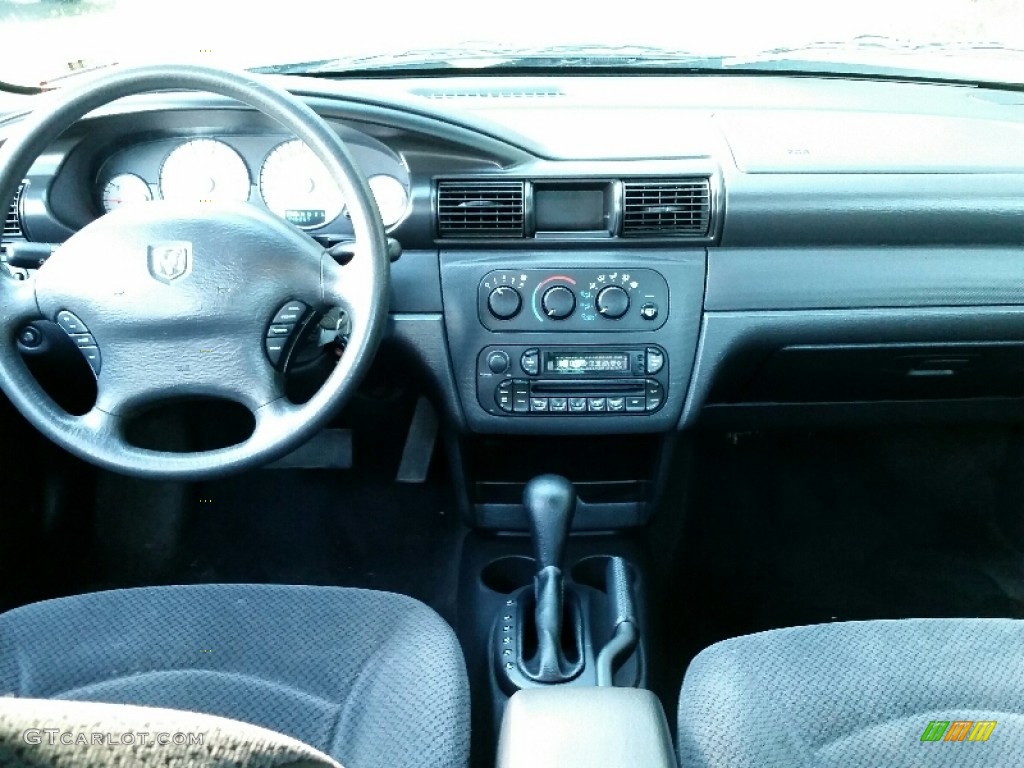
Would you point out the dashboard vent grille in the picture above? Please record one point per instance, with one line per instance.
(480, 209)
(676, 207)
(12, 224)
(489, 93)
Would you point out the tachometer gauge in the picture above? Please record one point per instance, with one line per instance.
(204, 170)
(297, 186)
(124, 188)
(392, 199)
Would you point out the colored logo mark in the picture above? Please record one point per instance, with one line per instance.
(958, 730)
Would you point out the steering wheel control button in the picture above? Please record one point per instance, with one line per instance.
(30, 337)
(497, 361)
(649, 311)
(504, 302)
(612, 302)
(92, 357)
(530, 362)
(290, 313)
(70, 322)
(655, 360)
(82, 340)
(275, 350)
(279, 331)
(558, 302)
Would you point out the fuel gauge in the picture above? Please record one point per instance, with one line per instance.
(124, 188)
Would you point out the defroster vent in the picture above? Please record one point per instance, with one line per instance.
(679, 207)
(480, 209)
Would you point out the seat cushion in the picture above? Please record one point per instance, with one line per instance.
(911, 692)
(370, 678)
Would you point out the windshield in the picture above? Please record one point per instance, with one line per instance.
(46, 41)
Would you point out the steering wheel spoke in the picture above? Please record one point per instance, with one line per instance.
(17, 302)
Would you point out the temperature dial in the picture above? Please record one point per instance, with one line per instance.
(558, 302)
(612, 302)
(504, 302)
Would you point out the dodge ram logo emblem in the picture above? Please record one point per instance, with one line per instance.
(170, 261)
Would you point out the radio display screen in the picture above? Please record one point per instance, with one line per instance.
(598, 362)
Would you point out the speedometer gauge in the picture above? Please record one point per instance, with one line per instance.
(392, 199)
(204, 170)
(122, 189)
(297, 186)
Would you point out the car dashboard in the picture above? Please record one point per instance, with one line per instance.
(634, 256)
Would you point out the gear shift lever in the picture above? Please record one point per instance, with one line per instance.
(550, 501)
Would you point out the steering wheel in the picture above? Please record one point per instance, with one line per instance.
(177, 299)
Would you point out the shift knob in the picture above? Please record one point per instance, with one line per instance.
(550, 501)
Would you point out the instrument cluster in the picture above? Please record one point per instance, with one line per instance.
(279, 173)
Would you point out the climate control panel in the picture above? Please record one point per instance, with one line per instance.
(572, 380)
(577, 299)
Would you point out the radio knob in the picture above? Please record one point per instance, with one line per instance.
(504, 302)
(558, 302)
(612, 302)
(497, 361)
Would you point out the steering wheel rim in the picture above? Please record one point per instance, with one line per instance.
(361, 288)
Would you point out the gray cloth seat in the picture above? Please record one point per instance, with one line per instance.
(373, 679)
(871, 693)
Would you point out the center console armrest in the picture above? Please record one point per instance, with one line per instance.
(584, 727)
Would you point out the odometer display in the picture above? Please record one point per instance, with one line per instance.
(297, 187)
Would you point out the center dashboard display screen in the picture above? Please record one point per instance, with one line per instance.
(602, 362)
(571, 209)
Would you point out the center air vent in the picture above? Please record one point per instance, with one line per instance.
(679, 207)
(480, 209)
(12, 224)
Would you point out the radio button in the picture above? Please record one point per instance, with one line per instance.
(596, 403)
(497, 361)
(655, 360)
(577, 404)
(655, 395)
(612, 302)
(636, 404)
(559, 404)
(616, 403)
(503, 395)
(530, 362)
(521, 396)
(538, 403)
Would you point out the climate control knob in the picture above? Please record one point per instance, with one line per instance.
(558, 302)
(612, 302)
(504, 302)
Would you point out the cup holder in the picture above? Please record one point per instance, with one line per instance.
(507, 574)
(593, 572)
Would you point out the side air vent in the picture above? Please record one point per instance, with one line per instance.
(480, 209)
(680, 207)
(12, 224)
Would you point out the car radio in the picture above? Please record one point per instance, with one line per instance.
(572, 380)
